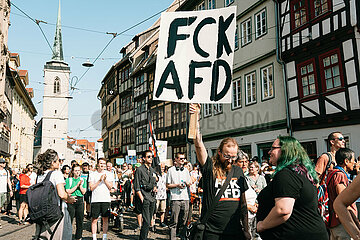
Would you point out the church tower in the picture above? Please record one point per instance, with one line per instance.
(56, 98)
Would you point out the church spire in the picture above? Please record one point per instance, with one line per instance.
(57, 48)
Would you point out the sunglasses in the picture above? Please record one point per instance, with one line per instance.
(229, 157)
(273, 147)
(149, 156)
(340, 138)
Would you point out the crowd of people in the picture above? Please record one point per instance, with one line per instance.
(234, 196)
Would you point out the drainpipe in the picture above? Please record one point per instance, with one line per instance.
(280, 61)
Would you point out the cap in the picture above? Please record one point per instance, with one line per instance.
(137, 164)
(2, 160)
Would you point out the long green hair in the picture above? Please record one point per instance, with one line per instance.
(292, 153)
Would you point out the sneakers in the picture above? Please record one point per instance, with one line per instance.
(137, 229)
(163, 225)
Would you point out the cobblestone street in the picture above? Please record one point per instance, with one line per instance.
(12, 231)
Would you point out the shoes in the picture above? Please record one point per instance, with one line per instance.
(0, 226)
(137, 229)
(153, 229)
(163, 225)
(21, 222)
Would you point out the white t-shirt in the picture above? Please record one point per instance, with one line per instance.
(3, 181)
(250, 196)
(33, 178)
(56, 178)
(177, 177)
(101, 193)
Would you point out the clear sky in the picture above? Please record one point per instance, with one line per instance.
(97, 18)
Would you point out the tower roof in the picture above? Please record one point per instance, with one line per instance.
(57, 48)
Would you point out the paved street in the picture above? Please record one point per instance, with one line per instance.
(12, 231)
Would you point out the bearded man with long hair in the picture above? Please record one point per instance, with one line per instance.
(229, 220)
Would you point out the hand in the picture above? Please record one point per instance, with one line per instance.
(181, 185)
(11, 193)
(259, 227)
(71, 200)
(155, 189)
(194, 108)
(102, 178)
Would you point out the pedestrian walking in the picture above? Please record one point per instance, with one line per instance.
(46, 162)
(288, 205)
(145, 188)
(5, 185)
(76, 187)
(85, 175)
(24, 186)
(177, 181)
(161, 195)
(338, 180)
(229, 219)
(101, 182)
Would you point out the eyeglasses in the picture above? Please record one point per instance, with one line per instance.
(273, 147)
(182, 158)
(228, 156)
(340, 138)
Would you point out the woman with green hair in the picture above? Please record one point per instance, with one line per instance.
(288, 205)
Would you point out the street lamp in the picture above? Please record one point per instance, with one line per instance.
(88, 64)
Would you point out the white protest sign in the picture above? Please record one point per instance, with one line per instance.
(161, 147)
(195, 56)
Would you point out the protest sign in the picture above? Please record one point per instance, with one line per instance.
(195, 56)
(161, 150)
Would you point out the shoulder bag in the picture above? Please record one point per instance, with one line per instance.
(195, 231)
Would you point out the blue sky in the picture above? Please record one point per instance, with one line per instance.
(98, 17)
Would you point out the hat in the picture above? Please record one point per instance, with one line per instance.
(2, 160)
(137, 164)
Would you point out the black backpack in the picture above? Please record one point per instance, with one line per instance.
(43, 203)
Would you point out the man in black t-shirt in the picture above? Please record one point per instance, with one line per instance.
(230, 217)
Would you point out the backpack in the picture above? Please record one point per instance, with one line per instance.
(43, 204)
(323, 199)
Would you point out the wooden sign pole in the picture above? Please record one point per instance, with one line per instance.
(193, 125)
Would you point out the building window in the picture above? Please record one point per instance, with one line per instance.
(183, 112)
(228, 2)
(142, 135)
(175, 113)
(57, 85)
(236, 37)
(211, 4)
(250, 85)
(114, 108)
(260, 23)
(299, 13)
(54, 125)
(331, 72)
(207, 109)
(125, 72)
(320, 7)
(310, 148)
(127, 135)
(111, 139)
(55, 111)
(307, 78)
(109, 112)
(140, 79)
(140, 106)
(267, 82)
(246, 32)
(126, 104)
(201, 6)
(218, 108)
(236, 101)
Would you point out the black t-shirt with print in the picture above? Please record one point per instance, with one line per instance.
(305, 222)
(225, 219)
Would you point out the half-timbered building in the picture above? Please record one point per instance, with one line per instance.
(320, 47)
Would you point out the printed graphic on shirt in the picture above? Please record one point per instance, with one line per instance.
(232, 192)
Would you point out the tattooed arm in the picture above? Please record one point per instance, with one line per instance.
(244, 216)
